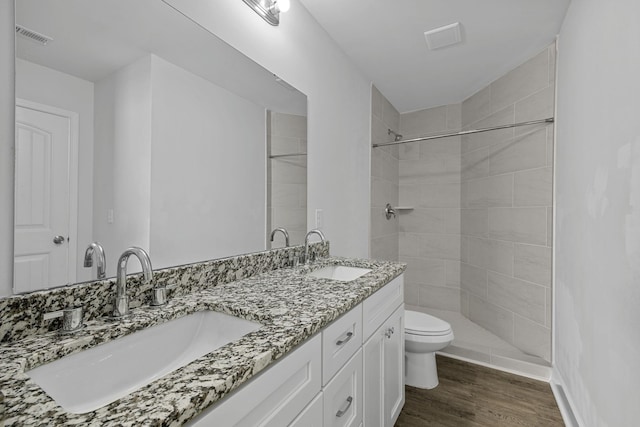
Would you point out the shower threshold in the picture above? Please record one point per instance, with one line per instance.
(473, 343)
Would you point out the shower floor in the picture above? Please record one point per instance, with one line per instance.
(475, 344)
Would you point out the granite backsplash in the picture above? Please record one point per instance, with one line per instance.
(22, 315)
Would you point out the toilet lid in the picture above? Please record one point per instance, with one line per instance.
(424, 324)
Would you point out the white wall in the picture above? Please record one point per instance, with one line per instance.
(597, 263)
(7, 153)
(51, 87)
(208, 170)
(123, 160)
(182, 163)
(302, 53)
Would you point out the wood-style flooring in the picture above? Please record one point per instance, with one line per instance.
(470, 395)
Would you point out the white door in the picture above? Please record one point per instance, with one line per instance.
(42, 200)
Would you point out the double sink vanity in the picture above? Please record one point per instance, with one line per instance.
(318, 344)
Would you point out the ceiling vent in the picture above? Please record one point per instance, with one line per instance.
(32, 35)
(443, 36)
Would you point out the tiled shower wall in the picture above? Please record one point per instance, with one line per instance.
(384, 178)
(430, 231)
(478, 237)
(287, 177)
(506, 197)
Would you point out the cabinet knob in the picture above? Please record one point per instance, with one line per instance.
(346, 338)
(341, 412)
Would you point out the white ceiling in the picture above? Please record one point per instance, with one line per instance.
(386, 41)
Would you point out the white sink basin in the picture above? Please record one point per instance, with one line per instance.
(339, 272)
(93, 378)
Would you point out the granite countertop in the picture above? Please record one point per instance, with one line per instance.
(291, 307)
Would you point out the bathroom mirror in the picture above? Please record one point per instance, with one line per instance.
(137, 127)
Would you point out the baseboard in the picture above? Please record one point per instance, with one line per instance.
(570, 417)
(539, 373)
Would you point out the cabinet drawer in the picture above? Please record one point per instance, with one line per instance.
(276, 396)
(311, 416)
(340, 341)
(379, 306)
(343, 395)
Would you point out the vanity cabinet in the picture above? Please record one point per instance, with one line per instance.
(351, 374)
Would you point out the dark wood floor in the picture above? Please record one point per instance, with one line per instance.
(471, 395)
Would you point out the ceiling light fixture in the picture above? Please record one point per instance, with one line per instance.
(269, 10)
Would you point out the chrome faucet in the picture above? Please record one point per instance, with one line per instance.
(306, 242)
(121, 303)
(96, 249)
(283, 231)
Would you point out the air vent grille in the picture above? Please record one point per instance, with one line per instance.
(443, 36)
(33, 35)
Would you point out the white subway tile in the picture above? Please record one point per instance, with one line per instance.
(422, 221)
(532, 338)
(441, 195)
(439, 297)
(409, 244)
(423, 122)
(377, 103)
(473, 280)
(454, 117)
(491, 254)
(536, 106)
(532, 263)
(533, 187)
(425, 271)
(523, 225)
(452, 273)
(528, 78)
(439, 246)
(475, 222)
(523, 152)
(475, 164)
(523, 298)
(502, 117)
(491, 317)
(476, 107)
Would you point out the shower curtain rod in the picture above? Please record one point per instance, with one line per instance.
(275, 156)
(465, 132)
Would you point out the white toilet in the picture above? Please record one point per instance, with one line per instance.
(423, 336)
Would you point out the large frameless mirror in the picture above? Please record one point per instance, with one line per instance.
(135, 126)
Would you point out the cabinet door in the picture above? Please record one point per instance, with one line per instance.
(379, 306)
(383, 358)
(311, 416)
(373, 367)
(343, 395)
(394, 367)
(340, 341)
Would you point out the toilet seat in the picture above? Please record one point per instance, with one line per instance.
(422, 324)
